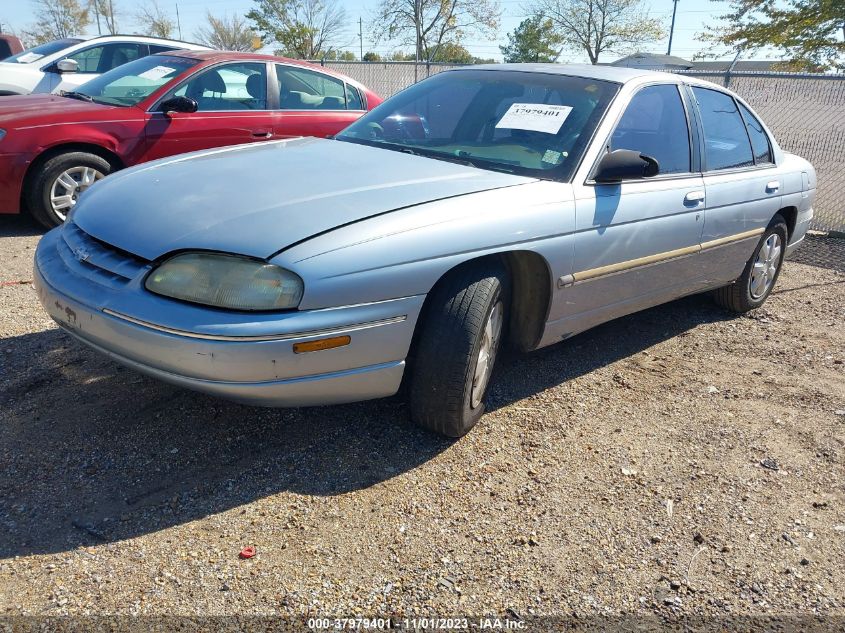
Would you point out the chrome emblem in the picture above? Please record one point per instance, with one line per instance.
(81, 254)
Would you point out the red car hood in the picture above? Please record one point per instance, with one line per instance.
(25, 110)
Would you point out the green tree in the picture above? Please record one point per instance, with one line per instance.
(534, 40)
(335, 55)
(304, 28)
(370, 56)
(56, 19)
(225, 34)
(429, 24)
(599, 26)
(810, 34)
(155, 21)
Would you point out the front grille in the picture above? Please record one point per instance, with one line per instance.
(96, 260)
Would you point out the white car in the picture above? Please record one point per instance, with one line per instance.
(68, 63)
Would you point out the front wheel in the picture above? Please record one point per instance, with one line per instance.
(758, 278)
(58, 183)
(457, 348)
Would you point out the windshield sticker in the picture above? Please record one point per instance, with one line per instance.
(154, 74)
(535, 117)
(551, 156)
(28, 58)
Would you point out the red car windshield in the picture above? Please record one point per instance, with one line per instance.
(131, 83)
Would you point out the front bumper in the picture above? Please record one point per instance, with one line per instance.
(250, 362)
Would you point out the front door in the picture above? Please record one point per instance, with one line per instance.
(232, 109)
(636, 242)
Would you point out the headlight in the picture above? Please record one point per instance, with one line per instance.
(226, 281)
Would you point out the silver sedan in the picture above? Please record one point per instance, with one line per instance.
(517, 204)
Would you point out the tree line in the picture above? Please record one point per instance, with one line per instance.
(808, 34)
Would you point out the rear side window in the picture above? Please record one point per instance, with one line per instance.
(726, 144)
(655, 124)
(303, 89)
(759, 139)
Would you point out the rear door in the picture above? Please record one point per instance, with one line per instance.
(636, 242)
(740, 180)
(232, 109)
(312, 103)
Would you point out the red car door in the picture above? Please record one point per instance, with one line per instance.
(232, 109)
(312, 103)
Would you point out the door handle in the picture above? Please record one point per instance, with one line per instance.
(694, 197)
(772, 186)
(262, 135)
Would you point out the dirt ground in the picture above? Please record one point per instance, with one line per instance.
(681, 461)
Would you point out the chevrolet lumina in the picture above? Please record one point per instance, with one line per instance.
(508, 203)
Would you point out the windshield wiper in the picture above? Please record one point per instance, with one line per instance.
(77, 95)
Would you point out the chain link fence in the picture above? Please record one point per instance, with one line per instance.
(806, 112)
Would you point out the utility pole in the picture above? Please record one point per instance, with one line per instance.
(97, 13)
(110, 21)
(179, 22)
(672, 28)
(361, 36)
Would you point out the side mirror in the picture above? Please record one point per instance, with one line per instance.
(64, 66)
(179, 104)
(625, 164)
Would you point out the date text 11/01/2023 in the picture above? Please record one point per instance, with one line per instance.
(416, 624)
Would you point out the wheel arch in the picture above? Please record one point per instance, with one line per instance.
(790, 214)
(531, 291)
(66, 148)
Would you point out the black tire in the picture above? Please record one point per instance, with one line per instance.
(738, 296)
(447, 350)
(38, 188)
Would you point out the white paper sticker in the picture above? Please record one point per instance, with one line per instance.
(29, 58)
(154, 74)
(535, 117)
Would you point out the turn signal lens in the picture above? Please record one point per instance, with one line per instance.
(321, 344)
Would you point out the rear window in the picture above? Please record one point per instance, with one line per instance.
(32, 55)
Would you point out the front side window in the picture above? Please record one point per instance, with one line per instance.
(503, 120)
(32, 55)
(303, 89)
(759, 139)
(655, 124)
(131, 83)
(241, 86)
(100, 59)
(726, 144)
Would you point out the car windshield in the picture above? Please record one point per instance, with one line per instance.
(35, 53)
(131, 83)
(514, 121)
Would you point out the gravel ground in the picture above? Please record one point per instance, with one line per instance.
(680, 461)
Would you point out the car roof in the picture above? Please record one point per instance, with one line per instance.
(618, 74)
(214, 56)
(136, 38)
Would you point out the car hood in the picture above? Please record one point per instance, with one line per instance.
(258, 199)
(20, 110)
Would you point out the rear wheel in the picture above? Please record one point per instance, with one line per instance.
(457, 349)
(758, 279)
(56, 187)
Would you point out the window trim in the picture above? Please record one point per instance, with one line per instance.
(693, 140)
(153, 109)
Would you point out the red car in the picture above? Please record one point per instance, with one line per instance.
(53, 147)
